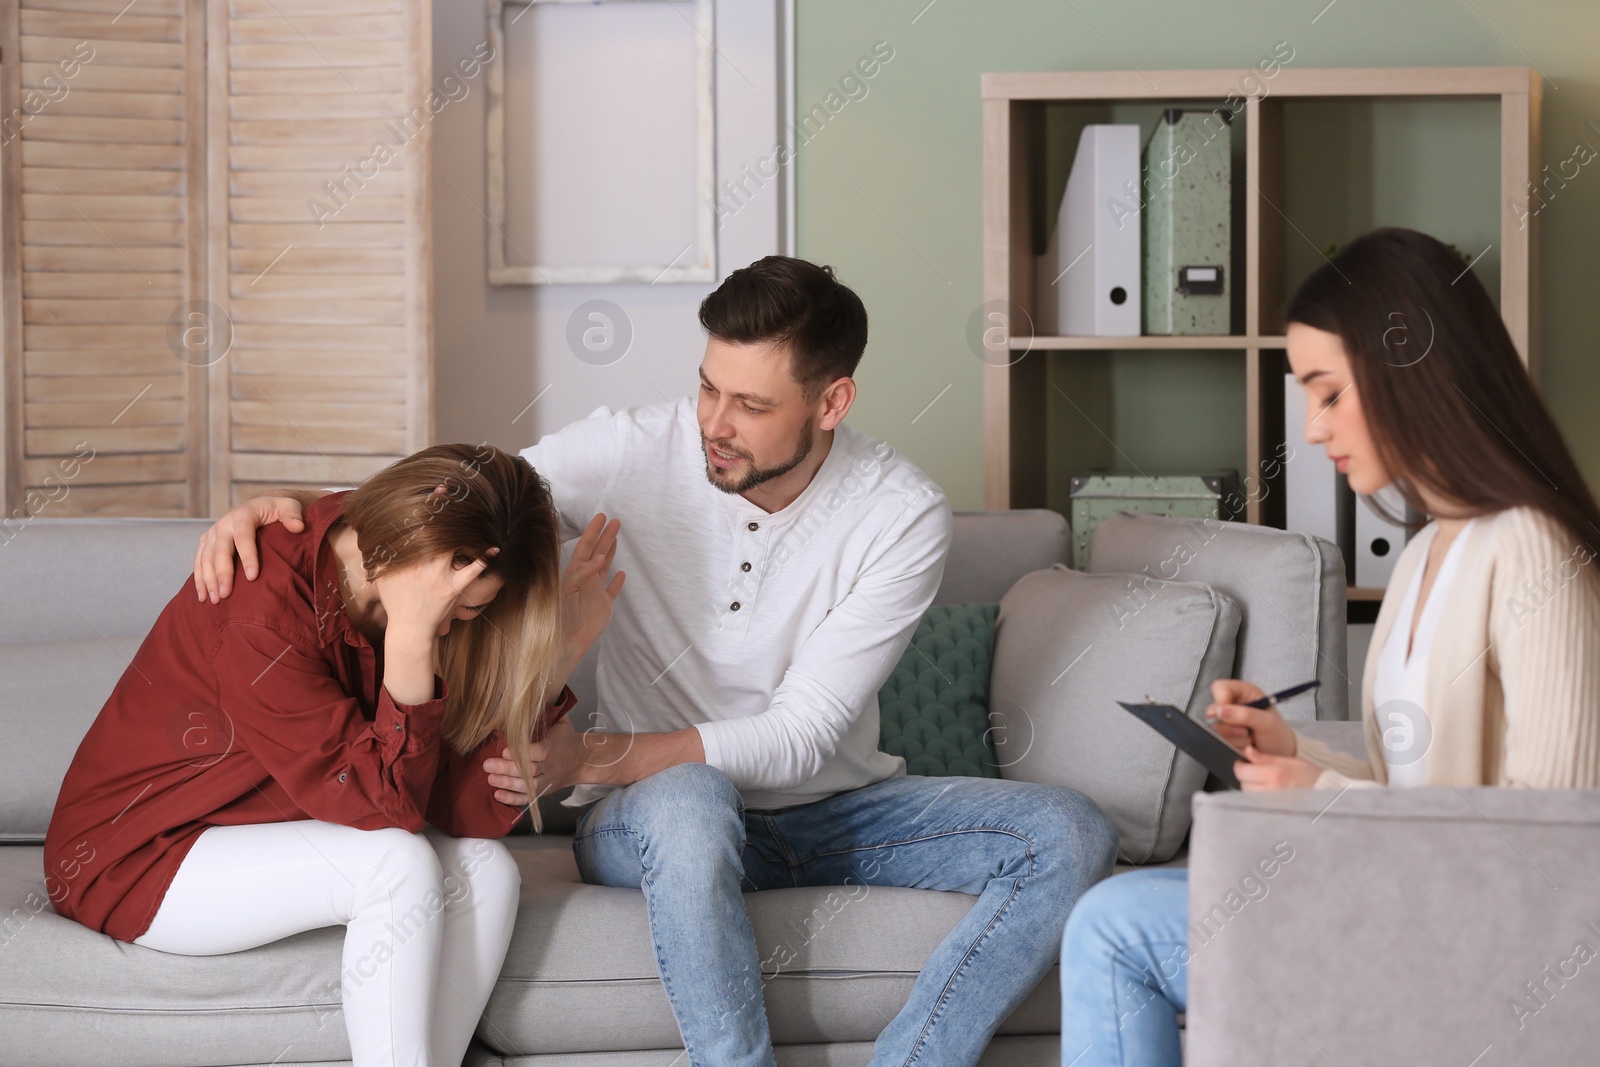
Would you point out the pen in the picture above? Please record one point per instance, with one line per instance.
(1284, 694)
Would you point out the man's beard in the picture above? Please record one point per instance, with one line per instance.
(757, 476)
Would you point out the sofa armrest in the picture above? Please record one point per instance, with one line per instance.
(1394, 926)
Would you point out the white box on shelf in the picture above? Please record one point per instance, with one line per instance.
(1089, 276)
(1310, 480)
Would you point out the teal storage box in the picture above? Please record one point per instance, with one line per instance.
(1188, 222)
(1188, 496)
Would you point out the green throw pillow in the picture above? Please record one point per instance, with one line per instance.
(934, 709)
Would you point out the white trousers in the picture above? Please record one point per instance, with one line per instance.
(428, 918)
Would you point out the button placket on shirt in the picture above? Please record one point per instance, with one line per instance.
(744, 581)
(367, 664)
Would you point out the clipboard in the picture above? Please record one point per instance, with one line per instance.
(1192, 739)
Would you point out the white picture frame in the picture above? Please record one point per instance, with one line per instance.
(699, 263)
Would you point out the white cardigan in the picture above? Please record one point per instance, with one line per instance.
(1514, 671)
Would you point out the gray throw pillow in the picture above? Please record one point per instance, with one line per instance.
(1290, 589)
(1068, 647)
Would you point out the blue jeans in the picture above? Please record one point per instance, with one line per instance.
(1026, 851)
(1125, 972)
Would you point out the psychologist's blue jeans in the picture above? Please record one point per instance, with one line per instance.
(1125, 972)
(1028, 852)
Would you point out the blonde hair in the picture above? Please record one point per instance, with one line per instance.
(499, 668)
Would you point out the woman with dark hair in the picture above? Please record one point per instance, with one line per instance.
(311, 751)
(1484, 666)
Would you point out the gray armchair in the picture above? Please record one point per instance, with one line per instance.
(1436, 925)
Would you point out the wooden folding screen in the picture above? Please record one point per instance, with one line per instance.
(215, 248)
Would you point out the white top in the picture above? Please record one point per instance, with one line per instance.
(1399, 690)
(769, 633)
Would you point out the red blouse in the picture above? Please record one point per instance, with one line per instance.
(267, 707)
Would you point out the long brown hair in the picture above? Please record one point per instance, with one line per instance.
(499, 668)
(1448, 402)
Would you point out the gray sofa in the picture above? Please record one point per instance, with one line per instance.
(80, 594)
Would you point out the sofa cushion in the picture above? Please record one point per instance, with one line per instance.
(81, 578)
(990, 550)
(1290, 588)
(934, 709)
(837, 963)
(53, 691)
(1037, 1051)
(580, 976)
(92, 588)
(1069, 646)
(69, 995)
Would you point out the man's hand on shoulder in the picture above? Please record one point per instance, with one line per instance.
(236, 531)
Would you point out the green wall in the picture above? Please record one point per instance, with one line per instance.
(888, 188)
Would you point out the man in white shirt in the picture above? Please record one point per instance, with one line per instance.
(777, 563)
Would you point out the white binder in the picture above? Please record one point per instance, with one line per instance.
(1378, 543)
(1088, 278)
(1310, 480)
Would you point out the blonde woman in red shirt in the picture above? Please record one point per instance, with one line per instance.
(310, 751)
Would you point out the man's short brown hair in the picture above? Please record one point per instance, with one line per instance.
(780, 299)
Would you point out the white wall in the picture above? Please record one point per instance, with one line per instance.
(499, 347)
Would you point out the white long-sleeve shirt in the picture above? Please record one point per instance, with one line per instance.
(770, 633)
